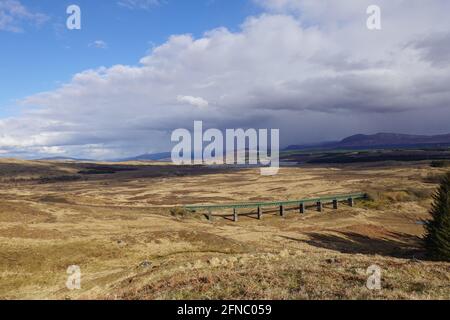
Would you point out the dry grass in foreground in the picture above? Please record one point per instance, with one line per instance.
(115, 223)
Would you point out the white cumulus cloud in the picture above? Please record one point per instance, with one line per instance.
(194, 101)
(99, 44)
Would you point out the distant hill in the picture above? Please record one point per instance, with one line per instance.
(322, 145)
(150, 157)
(64, 159)
(380, 140)
(393, 139)
(144, 157)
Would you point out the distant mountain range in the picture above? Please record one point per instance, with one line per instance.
(144, 157)
(379, 140)
(64, 159)
(358, 141)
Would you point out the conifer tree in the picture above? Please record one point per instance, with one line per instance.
(437, 238)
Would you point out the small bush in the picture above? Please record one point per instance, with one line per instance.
(179, 212)
(374, 200)
(440, 163)
(373, 196)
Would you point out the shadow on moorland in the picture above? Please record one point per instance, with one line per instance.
(398, 245)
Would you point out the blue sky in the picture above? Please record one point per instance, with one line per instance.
(42, 57)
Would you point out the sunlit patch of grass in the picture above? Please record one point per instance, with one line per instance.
(309, 277)
(44, 263)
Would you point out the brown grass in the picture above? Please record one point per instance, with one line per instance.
(133, 240)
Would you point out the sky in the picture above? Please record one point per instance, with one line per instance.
(139, 69)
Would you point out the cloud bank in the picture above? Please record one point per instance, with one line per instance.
(310, 68)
